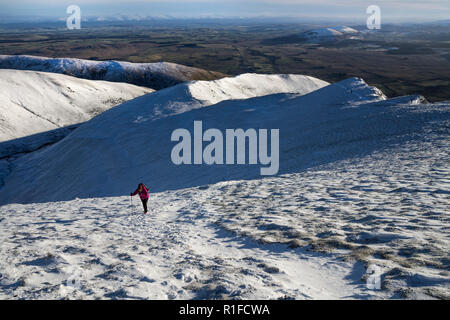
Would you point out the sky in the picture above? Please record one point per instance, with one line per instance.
(391, 10)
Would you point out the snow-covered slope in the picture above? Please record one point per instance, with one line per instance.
(133, 141)
(103, 248)
(362, 194)
(198, 94)
(178, 99)
(33, 102)
(152, 75)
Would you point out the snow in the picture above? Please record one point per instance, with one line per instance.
(252, 85)
(327, 33)
(103, 248)
(152, 75)
(132, 141)
(120, 132)
(387, 209)
(260, 239)
(346, 30)
(363, 185)
(34, 102)
(323, 32)
(199, 94)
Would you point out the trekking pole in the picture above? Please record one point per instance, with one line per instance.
(131, 204)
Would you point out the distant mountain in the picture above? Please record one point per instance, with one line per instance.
(152, 75)
(315, 35)
(33, 102)
(346, 30)
(440, 22)
(324, 33)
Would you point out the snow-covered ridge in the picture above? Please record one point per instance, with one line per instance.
(152, 75)
(197, 94)
(360, 91)
(177, 99)
(251, 85)
(132, 141)
(33, 102)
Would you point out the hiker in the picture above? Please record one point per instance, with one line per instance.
(143, 194)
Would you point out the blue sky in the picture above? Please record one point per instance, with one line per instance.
(391, 10)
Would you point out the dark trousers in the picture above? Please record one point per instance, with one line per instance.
(144, 203)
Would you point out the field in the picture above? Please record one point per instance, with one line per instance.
(398, 60)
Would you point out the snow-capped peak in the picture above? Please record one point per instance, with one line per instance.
(32, 102)
(346, 30)
(330, 33)
(197, 94)
(152, 75)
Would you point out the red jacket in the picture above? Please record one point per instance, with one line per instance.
(143, 194)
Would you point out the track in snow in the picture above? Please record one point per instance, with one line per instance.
(100, 248)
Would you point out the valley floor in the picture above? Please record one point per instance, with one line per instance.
(308, 235)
